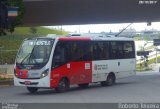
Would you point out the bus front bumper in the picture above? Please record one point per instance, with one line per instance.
(41, 83)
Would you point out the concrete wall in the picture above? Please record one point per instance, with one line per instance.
(7, 69)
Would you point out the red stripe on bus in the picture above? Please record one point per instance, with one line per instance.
(74, 38)
(76, 72)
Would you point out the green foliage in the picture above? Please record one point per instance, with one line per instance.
(21, 10)
(40, 31)
(9, 25)
(33, 30)
(9, 50)
(142, 68)
(12, 42)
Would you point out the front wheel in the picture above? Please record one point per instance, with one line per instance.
(32, 89)
(63, 86)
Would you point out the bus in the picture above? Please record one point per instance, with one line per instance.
(58, 62)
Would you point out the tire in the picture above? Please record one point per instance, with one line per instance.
(32, 89)
(83, 85)
(63, 86)
(109, 81)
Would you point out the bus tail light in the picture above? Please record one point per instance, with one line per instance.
(45, 73)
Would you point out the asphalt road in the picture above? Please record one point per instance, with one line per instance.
(145, 87)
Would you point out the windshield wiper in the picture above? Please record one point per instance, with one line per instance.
(29, 55)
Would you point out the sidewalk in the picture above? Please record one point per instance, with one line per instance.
(151, 72)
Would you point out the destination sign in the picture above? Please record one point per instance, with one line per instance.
(40, 43)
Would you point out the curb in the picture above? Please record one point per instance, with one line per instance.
(6, 82)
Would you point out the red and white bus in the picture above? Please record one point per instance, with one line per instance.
(46, 62)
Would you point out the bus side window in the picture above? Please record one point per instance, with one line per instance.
(113, 50)
(120, 50)
(95, 51)
(60, 55)
(86, 51)
(129, 50)
(106, 50)
(75, 51)
(81, 51)
(99, 51)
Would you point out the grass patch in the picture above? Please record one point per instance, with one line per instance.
(12, 42)
(3, 79)
(142, 68)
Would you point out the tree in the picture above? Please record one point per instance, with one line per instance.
(8, 23)
(3, 17)
(33, 30)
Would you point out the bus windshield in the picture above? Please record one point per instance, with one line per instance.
(34, 51)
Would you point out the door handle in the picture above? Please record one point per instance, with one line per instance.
(118, 63)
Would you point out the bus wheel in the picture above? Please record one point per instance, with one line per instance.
(109, 81)
(83, 85)
(63, 86)
(32, 89)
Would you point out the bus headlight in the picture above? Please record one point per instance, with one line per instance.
(45, 73)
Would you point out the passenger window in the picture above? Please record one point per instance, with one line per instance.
(120, 50)
(81, 51)
(76, 52)
(61, 54)
(106, 50)
(86, 51)
(100, 50)
(129, 50)
(113, 50)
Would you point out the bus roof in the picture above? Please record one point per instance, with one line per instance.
(89, 38)
(95, 38)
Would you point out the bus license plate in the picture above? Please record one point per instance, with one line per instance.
(27, 82)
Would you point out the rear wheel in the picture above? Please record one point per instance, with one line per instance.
(83, 85)
(63, 86)
(32, 89)
(109, 81)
